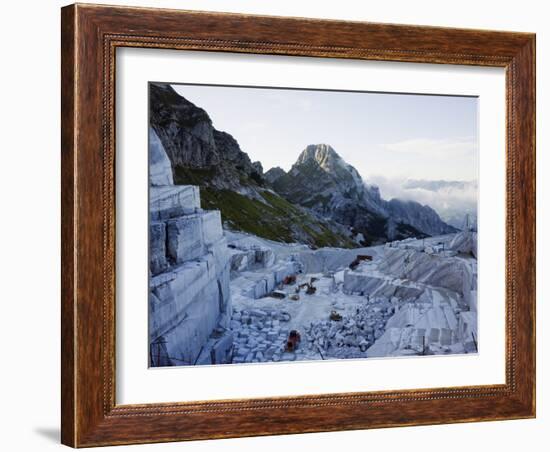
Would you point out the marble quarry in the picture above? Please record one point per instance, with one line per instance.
(219, 297)
(413, 298)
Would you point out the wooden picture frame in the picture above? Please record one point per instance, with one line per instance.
(90, 36)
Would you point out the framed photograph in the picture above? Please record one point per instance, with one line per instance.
(282, 225)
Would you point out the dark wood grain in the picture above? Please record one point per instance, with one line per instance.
(90, 36)
(67, 226)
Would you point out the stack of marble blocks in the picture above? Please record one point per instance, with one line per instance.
(189, 271)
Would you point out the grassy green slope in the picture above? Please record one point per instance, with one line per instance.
(275, 219)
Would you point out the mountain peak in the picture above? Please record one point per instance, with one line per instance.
(322, 154)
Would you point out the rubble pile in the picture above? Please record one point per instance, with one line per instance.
(260, 336)
(351, 336)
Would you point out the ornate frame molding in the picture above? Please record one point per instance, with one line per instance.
(90, 37)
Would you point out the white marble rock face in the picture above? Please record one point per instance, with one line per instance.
(157, 248)
(451, 273)
(160, 169)
(171, 201)
(360, 283)
(465, 242)
(189, 236)
(189, 267)
(248, 256)
(261, 281)
(185, 238)
(188, 301)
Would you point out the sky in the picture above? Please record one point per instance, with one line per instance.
(391, 136)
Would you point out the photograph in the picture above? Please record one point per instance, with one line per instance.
(294, 224)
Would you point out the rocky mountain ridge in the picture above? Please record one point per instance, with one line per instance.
(321, 201)
(323, 182)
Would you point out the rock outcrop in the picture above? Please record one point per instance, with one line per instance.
(189, 268)
(273, 174)
(465, 242)
(192, 143)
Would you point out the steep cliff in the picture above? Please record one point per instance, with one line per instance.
(195, 148)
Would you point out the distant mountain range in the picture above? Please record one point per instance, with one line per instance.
(321, 201)
(453, 200)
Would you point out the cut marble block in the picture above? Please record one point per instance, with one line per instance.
(171, 201)
(283, 270)
(251, 258)
(264, 257)
(186, 304)
(240, 260)
(219, 269)
(467, 325)
(255, 285)
(185, 238)
(189, 236)
(433, 335)
(446, 336)
(437, 317)
(157, 248)
(188, 338)
(465, 242)
(407, 315)
(260, 288)
(222, 349)
(176, 289)
(211, 226)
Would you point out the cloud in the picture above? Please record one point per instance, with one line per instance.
(450, 199)
(427, 147)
